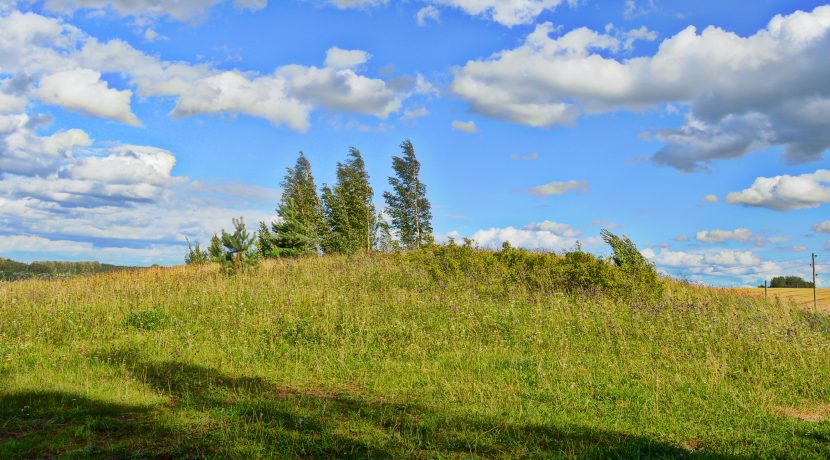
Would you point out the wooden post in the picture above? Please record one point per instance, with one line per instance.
(815, 301)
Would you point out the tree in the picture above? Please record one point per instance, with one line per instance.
(300, 228)
(215, 250)
(348, 208)
(238, 248)
(195, 255)
(407, 203)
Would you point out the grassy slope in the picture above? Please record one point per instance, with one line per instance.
(372, 357)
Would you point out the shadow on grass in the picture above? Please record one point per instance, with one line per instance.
(217, 415)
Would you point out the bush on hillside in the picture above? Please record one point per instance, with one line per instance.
(626, 275)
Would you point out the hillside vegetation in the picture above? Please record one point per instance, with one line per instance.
(442, 352)
(12, 270)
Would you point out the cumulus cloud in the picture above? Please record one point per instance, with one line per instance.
(719, 236)
(24, 151)
(546, 235)
(64, 187)
(745, 93)
(465, 126)
(337, 58)
(69, 65)
(559, 188)
(182, 10)
(785, 193)
(714, 264)
(822, 227)
(83, 90)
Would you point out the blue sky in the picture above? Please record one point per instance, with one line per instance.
(697, 128)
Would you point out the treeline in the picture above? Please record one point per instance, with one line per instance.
(790, 282)
(338, 219)
(12, 270)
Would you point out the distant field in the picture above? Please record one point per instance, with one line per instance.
(801, 297)
(378, 357)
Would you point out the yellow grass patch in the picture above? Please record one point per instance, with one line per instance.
(798, 296)
(815, 413)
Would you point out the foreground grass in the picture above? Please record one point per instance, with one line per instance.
(374, 357)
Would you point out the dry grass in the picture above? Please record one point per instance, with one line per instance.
(801, 297)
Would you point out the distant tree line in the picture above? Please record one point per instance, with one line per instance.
(789, 282)
(12, 270)
(338, 219)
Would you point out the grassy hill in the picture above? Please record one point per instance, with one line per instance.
(418, 355)
(12, 270)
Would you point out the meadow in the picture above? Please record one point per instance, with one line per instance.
(413, 355)
(800, 296)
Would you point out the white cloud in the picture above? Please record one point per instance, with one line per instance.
(151, 36)
(719, 236)
(414, 113)
(721, 264)
(745, 93)
(233, 92)
(464, 126)
(711, 198)
(182, 10)
(426, 14)
(357, 4)
(785, 193)
(634, 9)
(533, 156)
(681, 238)
(83, 90)
(547, 235)
(23, 151)
(505, 12)
(337, 58)
(69, 65)
(822, 227)
(559, 188)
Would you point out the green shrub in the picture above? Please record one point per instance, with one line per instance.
(148, 320)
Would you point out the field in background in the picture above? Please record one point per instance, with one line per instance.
(378, 357)
(802, 297)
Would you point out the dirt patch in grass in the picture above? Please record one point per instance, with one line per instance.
(813, 413)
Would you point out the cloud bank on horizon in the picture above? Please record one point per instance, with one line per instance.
(127, 127)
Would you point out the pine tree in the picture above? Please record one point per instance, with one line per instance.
(238, 248)
(215, 250)
(301, 216)
(348, 208)
(407, 204)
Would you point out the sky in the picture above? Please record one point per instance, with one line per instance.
(698, 128)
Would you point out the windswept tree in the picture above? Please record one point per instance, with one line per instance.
(301, 223)
(348, 208)
(407, 204)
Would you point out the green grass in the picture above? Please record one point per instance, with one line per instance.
(381, 357)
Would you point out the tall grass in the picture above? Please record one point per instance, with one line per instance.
(415, 355)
